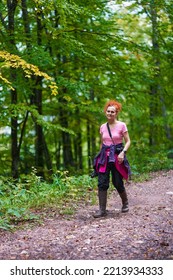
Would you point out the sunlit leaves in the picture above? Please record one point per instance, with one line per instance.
(14, 61)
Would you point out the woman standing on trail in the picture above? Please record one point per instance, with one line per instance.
(112, 157)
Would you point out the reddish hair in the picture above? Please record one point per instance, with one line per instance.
(114, 103)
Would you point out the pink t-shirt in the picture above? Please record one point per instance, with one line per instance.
(117, 133)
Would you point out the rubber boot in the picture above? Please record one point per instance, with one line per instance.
(102, 195)
(125, 207)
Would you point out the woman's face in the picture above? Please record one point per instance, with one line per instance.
(111, 113)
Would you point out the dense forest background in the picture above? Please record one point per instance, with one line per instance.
(61, 60)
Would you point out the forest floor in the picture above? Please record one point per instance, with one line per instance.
(145, 232)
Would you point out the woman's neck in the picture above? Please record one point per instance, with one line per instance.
(112, 122)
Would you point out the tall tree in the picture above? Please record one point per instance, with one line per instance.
(11, 5)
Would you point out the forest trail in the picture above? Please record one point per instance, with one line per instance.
(145, 232)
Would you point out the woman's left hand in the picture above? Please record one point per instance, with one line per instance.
(121, 157)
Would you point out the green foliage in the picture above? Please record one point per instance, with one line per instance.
(19, 200)
(145, 160)
(14, 61)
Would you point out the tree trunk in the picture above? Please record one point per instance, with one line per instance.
(155, 87)
(39, 145)
(48, 160)
(68, 161)
(90, 156)
(14, 142)
(26, 25)
(78, 144)
(11, 5)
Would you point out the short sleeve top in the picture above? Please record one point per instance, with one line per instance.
(117, 132)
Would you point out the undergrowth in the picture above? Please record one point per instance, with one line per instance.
(20, 200)
(143, 162)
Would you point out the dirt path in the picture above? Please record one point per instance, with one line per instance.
(145, 232)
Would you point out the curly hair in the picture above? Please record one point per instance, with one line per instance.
(114, 103)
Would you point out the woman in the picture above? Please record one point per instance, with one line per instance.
(112, 157)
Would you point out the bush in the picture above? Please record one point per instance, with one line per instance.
(20, 199)
(146, 161)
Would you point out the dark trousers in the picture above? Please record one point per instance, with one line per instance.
(117, 179)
